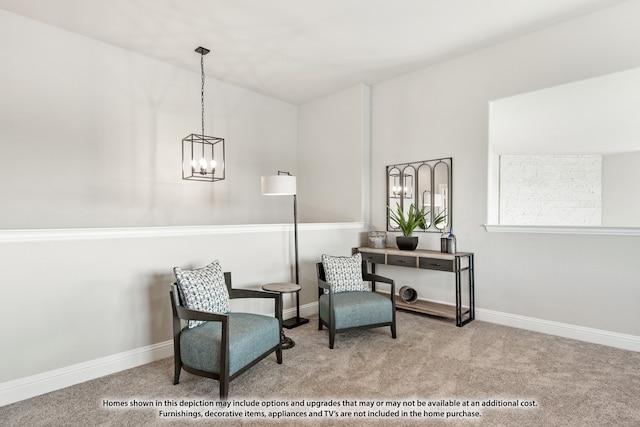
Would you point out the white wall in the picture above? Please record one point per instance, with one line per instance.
(333, 156)
(620, 178)
(76, 300)
(587, 281)
(91, 137)
(95, 213)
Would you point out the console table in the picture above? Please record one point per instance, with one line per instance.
(430, 260)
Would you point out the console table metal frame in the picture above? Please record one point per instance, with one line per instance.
(429, 260)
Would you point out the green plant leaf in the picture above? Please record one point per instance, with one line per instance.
(440, 218)
(409, 220)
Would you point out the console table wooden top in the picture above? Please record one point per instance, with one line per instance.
(415, 253)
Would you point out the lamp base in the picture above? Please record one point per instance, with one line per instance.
(294, 322)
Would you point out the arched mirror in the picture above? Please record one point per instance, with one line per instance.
(394, 191)
(421, 185)
(425, 191)
(441, 191)
(408, 188)
(393, 184)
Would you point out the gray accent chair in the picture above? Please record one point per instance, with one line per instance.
(345, 311)
(227, 344)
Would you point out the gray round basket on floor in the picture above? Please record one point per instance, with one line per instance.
(408, 294)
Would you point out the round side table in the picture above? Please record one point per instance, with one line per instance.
(285, 288)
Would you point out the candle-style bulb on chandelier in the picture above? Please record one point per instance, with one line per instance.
(203, 156)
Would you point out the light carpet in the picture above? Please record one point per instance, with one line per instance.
(437, 373)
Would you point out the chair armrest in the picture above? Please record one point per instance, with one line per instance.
(189, 314)
(323, 285)
(382, 279)
(251, 293)
(369, 277)
(184, 313)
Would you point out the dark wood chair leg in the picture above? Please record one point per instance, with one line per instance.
(332, 337)
(224, 389)
(176, 373)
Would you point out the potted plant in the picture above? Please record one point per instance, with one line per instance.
(407, 221)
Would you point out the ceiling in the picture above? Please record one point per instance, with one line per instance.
(299, 50)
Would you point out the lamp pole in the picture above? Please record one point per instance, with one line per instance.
(295, 238)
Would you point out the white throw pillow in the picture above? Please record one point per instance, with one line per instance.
(203, 289)
(344, 274)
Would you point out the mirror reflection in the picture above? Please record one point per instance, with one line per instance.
(424, 185)
(424, 177)
(440, 195)
(394, 190)
(408, 192)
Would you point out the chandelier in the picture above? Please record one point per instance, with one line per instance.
(202, 156)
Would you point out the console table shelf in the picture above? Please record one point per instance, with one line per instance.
(457, 263)
(446, 311)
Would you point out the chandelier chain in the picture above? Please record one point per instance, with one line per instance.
(202, 89)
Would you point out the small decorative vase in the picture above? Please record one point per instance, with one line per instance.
(407, 243)
(378, 239)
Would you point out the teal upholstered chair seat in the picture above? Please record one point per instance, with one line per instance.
(250, 336)
(345, 303)
(353, 309)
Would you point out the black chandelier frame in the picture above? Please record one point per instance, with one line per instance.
(203, 156)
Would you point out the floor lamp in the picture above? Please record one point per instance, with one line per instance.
(284, 184)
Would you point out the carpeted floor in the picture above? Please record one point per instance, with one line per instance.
(433, 373)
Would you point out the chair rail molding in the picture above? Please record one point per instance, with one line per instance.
(33, 235)
(550, 229)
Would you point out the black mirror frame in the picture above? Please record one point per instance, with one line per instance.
(398, 197)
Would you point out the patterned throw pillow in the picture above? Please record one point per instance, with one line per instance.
(203, 289)
(343, 273)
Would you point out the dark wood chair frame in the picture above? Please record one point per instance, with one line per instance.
(180, 312)
(367, 277)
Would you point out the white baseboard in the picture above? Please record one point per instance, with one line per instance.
(305, 310)
(25, 388)
(35, 385)
(565, 330)
(581, 333)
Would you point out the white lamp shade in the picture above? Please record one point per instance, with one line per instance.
(279, 185)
